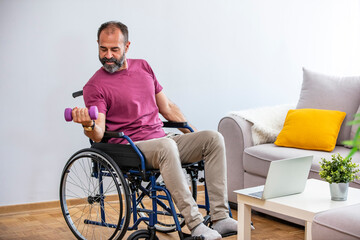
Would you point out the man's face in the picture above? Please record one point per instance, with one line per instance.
(112, 50)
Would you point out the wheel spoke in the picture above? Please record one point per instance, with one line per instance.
(77, 175)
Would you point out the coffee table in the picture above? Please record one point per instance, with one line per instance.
(315, 198)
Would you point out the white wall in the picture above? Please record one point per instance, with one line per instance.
(212, 56)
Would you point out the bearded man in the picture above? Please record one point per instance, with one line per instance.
(129, 99)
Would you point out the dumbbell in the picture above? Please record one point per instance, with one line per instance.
(93, 112)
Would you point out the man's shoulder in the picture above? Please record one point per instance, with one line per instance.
(138, 63)
(95, 79)
(100, 72)
(97, 76)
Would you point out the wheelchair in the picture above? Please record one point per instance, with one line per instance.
(107, 189)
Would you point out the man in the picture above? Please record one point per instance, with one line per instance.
(129, 99)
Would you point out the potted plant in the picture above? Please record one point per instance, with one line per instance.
(338, 172)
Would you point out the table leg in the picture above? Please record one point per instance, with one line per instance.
(244, 221)
(308, 230)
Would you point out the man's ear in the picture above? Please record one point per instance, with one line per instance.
(127, 46)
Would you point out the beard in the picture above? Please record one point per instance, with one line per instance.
(111, 68)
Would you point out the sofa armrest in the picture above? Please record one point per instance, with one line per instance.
(237, 136)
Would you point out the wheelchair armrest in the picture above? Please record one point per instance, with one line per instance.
(178, 125)
(175, 124)
(109, 134)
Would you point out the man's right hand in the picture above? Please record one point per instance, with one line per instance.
(81, 115)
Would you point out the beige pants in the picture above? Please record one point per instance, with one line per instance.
(168, 153)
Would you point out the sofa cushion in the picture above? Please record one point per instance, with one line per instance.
(257, 159)
(315, 129)
(333, 93)
(339, 223)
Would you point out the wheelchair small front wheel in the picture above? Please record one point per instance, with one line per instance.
(141, 234)
(94, 196)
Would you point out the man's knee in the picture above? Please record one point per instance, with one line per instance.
(214, 138)
(166, 149)
(157, 151)
(214, 147)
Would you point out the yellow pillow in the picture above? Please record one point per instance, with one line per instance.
(313, 129)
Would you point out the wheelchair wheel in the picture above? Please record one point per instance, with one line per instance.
(94, 196)
(141, 234)
(165, 221)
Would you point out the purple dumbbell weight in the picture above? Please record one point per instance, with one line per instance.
(93, 112)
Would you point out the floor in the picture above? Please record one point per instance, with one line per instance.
(50, 224)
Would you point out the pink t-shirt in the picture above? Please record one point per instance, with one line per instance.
(127, 98)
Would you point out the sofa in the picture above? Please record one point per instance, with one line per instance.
(250, 134)
(337, 224)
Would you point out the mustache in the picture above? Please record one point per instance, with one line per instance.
(105, 60)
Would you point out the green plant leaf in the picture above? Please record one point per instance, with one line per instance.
(352, 152)
(339, 169)
(353, 122)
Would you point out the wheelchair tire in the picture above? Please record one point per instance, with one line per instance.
(141, 234)
(94, 196)
(165, 222)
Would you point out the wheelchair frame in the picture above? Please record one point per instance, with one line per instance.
(130, 183)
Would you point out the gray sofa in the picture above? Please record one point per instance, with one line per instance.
(248, 160)
(337, 224)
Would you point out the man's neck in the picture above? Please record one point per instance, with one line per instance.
(124, 66)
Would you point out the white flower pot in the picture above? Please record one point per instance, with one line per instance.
(339, 191)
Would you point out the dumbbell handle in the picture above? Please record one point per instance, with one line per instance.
(93, 112)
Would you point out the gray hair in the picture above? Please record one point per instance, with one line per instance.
(112, 25)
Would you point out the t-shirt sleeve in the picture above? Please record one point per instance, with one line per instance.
(94, 97)
(157, 85)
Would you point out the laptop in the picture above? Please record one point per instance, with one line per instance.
(285, 177)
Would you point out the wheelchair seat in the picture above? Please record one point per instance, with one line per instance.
(126, 158)
(124, 155)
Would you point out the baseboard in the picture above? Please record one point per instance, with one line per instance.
(45, 205)
(29, 207)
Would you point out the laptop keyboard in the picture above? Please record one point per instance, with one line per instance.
(257, 194)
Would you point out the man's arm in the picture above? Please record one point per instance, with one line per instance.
(81, 115)
(170, 111)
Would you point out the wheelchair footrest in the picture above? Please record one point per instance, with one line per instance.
(228, 234)
(195, 238)
(189, 237)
